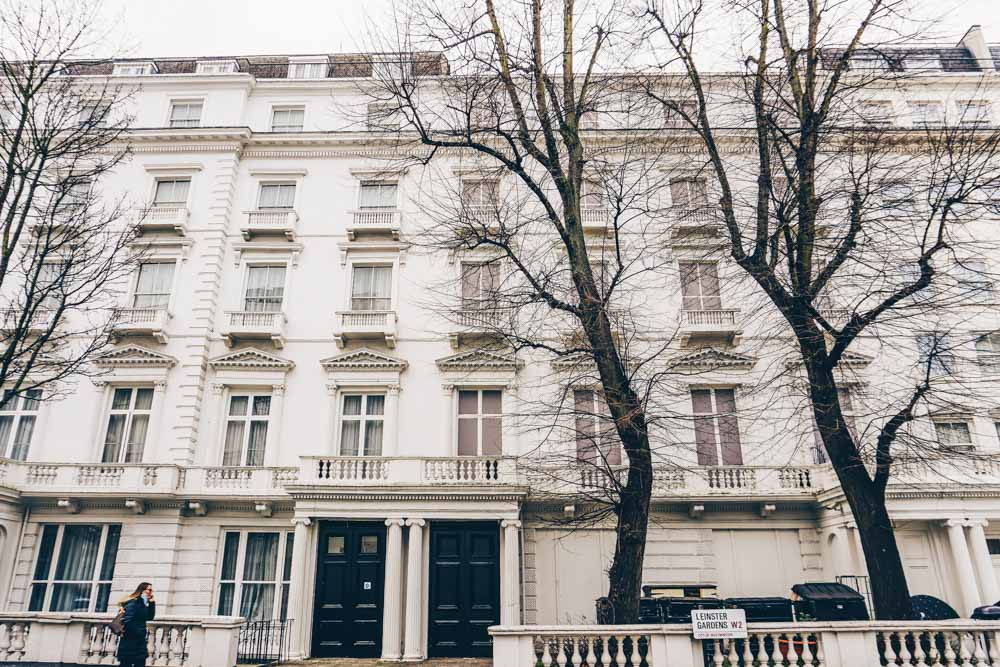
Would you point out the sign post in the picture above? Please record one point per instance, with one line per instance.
(719, 623)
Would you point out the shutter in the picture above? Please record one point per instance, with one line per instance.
(690, 286)
(729, 429)
(709, 273)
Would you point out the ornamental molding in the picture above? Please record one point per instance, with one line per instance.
(574, 361)
(388, 496)
(848, 359)
(251, 359)
(478, 360)
(712, 358)
(134, 356)
(364, 359)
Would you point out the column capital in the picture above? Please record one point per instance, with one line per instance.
(977, 523)
(278, 389)
(159, 386)
(395, 522)
(510, 523)
(447, 388)
(951, 523)
(415, 522)
(303, 520)
(218, 388)
(393, 389)
(331, 388)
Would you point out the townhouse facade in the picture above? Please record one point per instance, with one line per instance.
(288, 429)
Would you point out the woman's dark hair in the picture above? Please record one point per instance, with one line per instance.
(140, 588)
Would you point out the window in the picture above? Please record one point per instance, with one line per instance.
(77, 192)
(361, 422)
(674, 115)
(596, 439)
(974, 113)
(716, 428)
(953, 433)
(171, 192)
(152, 289)
(593, 194)
(313, 70)
(993, 545)
(700, 286)
(922, 61)
(935, 349)
(216, 67)
(134, 69)
(877, 112)
(185, 114)
(688, 193)
(845, 395)
(48, 288)
(17, 423)
(869, 60)
(928, 114)
(256, 571)
(84, 558)
(276, 195)
(988, 350)
(383, 117)
(246, 429)
(479, 418)
(480, 194)
(377, 194)
(94, 113)
(371, 288)
(128, 422)
(265, 289)
(287, 119)
(972, 275)
(480, 283)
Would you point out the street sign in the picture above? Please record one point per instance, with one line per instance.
(719, 623)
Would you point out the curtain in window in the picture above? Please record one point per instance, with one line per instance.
(583, 405)
(227, 588)
(491, 423)
(139, 426)
(350, 425)
(113, 438)
(729, 430)
(152, 290)
(259, 565)
(371, 288)
(374, 407)
(171, 193)
(6, 425)
(468, 423)
(22, 439)
(378, 195)
(256, 443)
(704, 427)
(277, 195)
(48, 288)
(688, 193)
(265, 288)
(77, 558)
(700, 286)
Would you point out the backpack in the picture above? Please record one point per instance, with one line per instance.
(116, 626)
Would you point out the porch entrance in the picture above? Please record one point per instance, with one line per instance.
(464, 588)
(350, 574)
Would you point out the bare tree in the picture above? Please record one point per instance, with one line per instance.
(63, 247)
(823, 200)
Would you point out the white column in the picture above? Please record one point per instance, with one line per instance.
(274, 427)
(297, 585)
(963, 566)
(510, 574)
(413, 642)
(152, 450)
(390, 441)
(448, 419)
(215, 409)
(982, 561)
(391, 630)
(512, 424)
(328, 443)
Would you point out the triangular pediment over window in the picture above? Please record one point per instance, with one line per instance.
(363, 360)
(710, 358)
(251, 359)
(134, 356)
(573, 361)
(848, 359)
(479, 360)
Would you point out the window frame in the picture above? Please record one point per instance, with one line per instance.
(362, 418)
(307, 66)
(483, 183)
(954, 420)
(479, 416)
(945, 362)
(247, 419)
(702, 297)
(981, 119)
(185, 122)
(607, 447)
(390, 297)
(717, 429)
(171, 179)
(143, 68)
(264, 263)
(134, 289)
(10, 448)
(130, 413)
(282, 585)
(211, 67)
(368, 183)
(693, 203)
(95, 581)
(918, 113)
(287, 108)
(89, 107)
(280, 184)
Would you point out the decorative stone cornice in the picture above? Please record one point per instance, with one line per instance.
(134, 356)
(364, 359)
(251, 359)
(711, 358)
(479, 360)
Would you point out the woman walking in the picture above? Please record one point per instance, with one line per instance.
(139, 608)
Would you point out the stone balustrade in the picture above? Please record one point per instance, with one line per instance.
(35, 638)
(374, 471)
(957, 643)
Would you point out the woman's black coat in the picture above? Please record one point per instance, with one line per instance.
(133, 641)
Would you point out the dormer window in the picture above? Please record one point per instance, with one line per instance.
(134, 69)
(217, 67)
(308, 69)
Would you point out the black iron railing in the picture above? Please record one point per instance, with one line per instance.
(264, 642)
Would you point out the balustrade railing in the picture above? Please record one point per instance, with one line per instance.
(482, 318)
(366, 470)
(374, 220)
(11, 319)
(709, 318)
(139, 315)
(271, 219)
(353, 320)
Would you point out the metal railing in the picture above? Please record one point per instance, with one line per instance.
(264, 642)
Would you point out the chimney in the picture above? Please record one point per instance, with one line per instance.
(974, 41)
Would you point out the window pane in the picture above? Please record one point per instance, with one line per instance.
(226, 593)
(113, 438)
(122, 399)
(37, 600)
(261, 561)
(136, 438)
(31, 400)
(335, 544)
(369, 544)
(257, 601)
(238, 405)
(233, 446)
(103, 598)
(143, 399)
(468, 402)
(373, 438)
(286, 569)
(257, 443)
(70, 597)
(491, 436)
(261, 406)
(491, 402)
(6, 424)
(352, 405)
(48, 543)
(78, 553)
(468, 437)
(229, 556)
(110, 554)
(350, 431)
(375, 404)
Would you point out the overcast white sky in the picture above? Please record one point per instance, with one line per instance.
(159, 28)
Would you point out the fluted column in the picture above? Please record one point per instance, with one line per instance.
(391, 628)
(413, 642)
(510, 600)
(963, 565)
(273, 438)
(982, 561)
(390, 440)
(448, 419)
(296, 587)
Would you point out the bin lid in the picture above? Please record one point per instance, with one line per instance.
(758, 601)
(930, 608)
(826, 590)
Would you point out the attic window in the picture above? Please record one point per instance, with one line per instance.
(217, 67)
(134, 69)
(308, 69)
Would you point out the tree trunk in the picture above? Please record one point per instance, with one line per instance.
(625, 575)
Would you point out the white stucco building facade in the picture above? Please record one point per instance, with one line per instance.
(286, 429)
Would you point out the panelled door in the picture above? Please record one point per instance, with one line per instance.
(464, 588)
(350, 573)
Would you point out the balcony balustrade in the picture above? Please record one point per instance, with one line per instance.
(596, 219)
(142, 322)
(254, 325)
(365, 324)
(408, 471)
(709, 324)
(270, 222)
(39, 322)
(374, 221)
(835, 316)
(161, 219)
